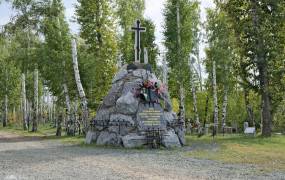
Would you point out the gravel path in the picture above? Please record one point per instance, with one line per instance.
(35, 158)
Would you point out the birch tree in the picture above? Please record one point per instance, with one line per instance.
(36, 101)
(193, 89)
(222, 54)
(98, 30)
(180, 20)
(84, 104)
(24, 102)
(57, 50)
(215, 99)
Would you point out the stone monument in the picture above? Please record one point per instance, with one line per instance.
(137, 110)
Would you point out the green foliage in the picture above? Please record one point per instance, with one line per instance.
(148, 41)
(56, 63)
(128, 12)
(279, 118)
(9, 75)
(179, 69)
(259, 26)
(221, 48)
(99, 55)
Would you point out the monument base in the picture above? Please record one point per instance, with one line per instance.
(136, 112)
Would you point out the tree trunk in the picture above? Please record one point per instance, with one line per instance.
(215, 96)
(36, 101)
(193, 89)
(69, 121)
(5, 116)
(266, 108)
(24, 102)
(181, 88)
(249, 109)
(5, 113)
(58, 126)
(165, 71)
(224, 110)
(55, 117)
(263, 73)
(14, 115)
(84, 103)
(206, 109)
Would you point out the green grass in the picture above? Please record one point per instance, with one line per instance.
(266, 153)
(46, 132)
(43, 131)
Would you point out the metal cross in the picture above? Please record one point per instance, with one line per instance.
(138, 29)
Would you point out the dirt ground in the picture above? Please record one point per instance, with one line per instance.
(36, 158)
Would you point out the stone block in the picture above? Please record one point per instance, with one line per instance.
(170, 139)
(133, 141)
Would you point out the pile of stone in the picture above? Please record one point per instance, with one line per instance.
(124, 116)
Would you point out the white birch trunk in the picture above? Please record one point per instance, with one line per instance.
(5, 116)
(200, 72)
(193, 89)
(68, 105)
(14, 114)
(36, 101)
(84, 103)
(216, 108)
(24, 102)
(165, 70)
(224, 110)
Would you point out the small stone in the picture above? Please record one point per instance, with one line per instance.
(120, 75)
(113, 94)
(181, 135)
(127, 104)
(170, 139)
(121, 118)
(121, 124)
(133, 141)
(141, 73)
(91, 137)
(121, 130)
(104, 113)
(107, 138)
(169, 117)
(131, 86)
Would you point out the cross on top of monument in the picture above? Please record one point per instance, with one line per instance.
(138, 29)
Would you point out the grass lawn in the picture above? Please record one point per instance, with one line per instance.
(266, 153)
(45, 132)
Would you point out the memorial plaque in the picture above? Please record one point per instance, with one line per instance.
(150, 117)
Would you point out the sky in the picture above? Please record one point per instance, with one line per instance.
(154, 9)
